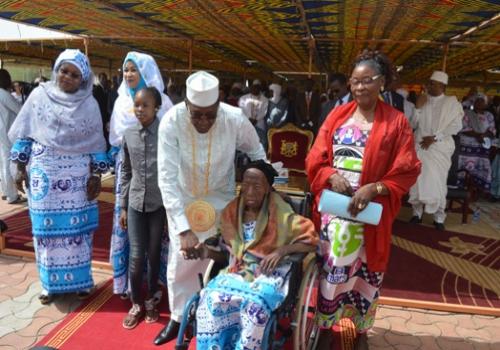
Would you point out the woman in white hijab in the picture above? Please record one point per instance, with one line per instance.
(139, 70)
(59, 148)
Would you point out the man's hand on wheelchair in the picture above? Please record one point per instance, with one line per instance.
(200, 251)
(269, 263)
(189, 241)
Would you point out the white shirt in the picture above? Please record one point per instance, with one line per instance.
(344, 100)
(9, 108)
(255, 107)
(441, 116)
(231, 131)
(19, 98)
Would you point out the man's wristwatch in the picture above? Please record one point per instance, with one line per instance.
(379, 187)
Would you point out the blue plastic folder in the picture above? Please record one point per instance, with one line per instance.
(336, 204)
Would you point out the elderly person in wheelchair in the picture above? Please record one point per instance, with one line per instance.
(257, 230)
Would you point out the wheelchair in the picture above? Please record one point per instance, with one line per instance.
(293, 320)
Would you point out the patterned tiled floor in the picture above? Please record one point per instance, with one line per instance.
(23, 321)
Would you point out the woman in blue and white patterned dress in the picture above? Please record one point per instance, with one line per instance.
(59, 149)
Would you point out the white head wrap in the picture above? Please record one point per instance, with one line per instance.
(202, 89)
(440, 76)
(237, 85)
(480, 95)
(76, 58)
(276, 89)
(123, 116)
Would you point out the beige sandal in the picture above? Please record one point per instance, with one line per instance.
(133, 317)
(152, 313)
(45, 298)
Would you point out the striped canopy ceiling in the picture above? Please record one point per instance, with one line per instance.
(271, 35)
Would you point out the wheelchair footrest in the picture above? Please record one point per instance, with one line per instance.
(182, 347)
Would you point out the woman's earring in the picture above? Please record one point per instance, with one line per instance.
(382, 88)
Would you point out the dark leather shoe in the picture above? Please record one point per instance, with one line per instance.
(168, 333)
(415, 220)
(439, 226)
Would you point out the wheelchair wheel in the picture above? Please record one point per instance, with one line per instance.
(305, 335)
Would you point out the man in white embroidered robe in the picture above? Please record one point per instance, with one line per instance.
(196, 149)
(437, 118)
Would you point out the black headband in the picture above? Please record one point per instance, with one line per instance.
(266, 168)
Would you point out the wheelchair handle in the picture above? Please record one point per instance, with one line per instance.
(200, 279)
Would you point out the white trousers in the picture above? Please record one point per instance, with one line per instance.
(439, 214)
(7, 185)
(182, 276)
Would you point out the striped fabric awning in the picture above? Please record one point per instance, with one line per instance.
(264, 36)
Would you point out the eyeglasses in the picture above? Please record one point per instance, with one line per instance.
(365, 81)
(198, 115)
(72, 75)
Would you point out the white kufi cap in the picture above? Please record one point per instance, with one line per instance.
(440, 76)
(202, 89)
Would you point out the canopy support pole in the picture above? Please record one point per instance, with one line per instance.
(190, 46)
(86, 44)
(445, 56)
(311, 53)
(110, 68)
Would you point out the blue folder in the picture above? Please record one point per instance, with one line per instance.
(336, 204)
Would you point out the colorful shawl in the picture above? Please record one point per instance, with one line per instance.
(277, 225)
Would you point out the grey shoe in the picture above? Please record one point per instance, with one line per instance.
(19, 200)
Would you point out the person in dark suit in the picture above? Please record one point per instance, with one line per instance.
(101, 93)
(494, 109)
(394, 99)
(338, 93)
(308, 107)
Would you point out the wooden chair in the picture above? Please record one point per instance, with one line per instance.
(459, 187)
(290, 145)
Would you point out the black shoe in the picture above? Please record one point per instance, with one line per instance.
(168, 333)
(3, 226)
(439, 226)
(415, 220)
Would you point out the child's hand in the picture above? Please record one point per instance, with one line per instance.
(123, 219)
(93, 187)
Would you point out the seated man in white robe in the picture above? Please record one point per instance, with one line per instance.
(196, 149)
(437, 119)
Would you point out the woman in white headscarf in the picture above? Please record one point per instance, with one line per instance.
(59, 149)
(139, 70)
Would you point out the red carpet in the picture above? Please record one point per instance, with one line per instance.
(425, 264)
(97, 324)
(445, 267)
(19, 234)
